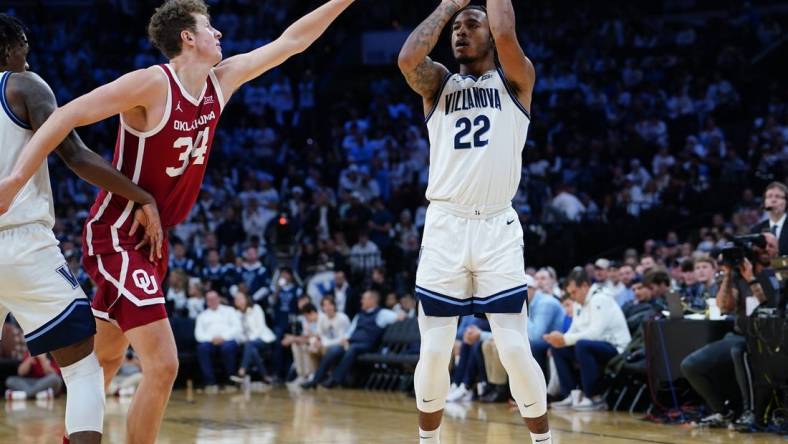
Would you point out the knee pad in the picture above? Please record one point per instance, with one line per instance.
(431, 380)
(526, 379)
(85, 399)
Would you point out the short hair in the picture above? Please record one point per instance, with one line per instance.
(707, 260)
(12, 33)
(578, 276)
(469, 8)
(777, 185)
(169, 19)
(687, 265)
(308, 308)
(330, 300)
(656, 276)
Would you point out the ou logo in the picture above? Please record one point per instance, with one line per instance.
(145, 282)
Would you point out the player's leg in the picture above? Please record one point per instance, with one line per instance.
(500, 290)
(130, 295)
(55, 315)
(85, 400)
(431, 379)
(111, 346)
(443, 287)
(154, 343)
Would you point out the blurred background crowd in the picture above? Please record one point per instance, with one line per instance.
(656, 130)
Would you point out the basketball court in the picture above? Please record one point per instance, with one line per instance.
(349, 417)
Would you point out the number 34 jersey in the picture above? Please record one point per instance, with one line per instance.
(169, 162)
(477, 132)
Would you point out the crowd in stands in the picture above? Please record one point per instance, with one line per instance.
(651, 132)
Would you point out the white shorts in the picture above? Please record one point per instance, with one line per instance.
(37, 287)
(471, 262)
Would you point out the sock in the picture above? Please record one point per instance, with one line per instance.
(542, 438)
(430, 437)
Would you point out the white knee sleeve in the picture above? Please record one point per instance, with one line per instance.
(526, 379)
(431, 380)
(85, 400)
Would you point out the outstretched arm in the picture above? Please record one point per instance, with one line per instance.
(423, 74)
(237, 70)
(519, 70)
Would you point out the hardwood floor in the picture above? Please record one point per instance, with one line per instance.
(349, 417)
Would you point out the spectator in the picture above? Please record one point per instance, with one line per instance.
(626, 277)
(649, 298)
(305, 354)
(176, 293)
(332, 326)
(363, 335)
(37, 377)
(255, 335)
(774, 202)
(406, 307)
(284, 307)
(254, 274)
(365, 255)
(216, 331)
(196, 302)
(341, 292)
(598, 333)
(471, 334)
(705, 269)
(214, 273)
(602, 276)
(179, 259)
(709, 368)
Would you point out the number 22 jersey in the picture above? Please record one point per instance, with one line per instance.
(477, 133)
(169, 162)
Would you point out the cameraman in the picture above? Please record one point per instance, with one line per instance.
(709, 368)
(774, 203)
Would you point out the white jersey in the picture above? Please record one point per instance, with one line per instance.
(477, 134)
(33, 204)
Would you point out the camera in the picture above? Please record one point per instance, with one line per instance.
(742, 247)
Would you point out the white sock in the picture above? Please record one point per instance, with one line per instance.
(542, 438)
(430, 437)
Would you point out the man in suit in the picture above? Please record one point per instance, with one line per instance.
(774, 201)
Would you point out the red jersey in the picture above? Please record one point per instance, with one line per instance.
(168, 161)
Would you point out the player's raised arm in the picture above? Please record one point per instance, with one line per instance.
(237, 70)
(518, 68)
(423, 74)
(138, 88)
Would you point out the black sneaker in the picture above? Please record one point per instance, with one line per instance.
(746, 422)
(497, 394)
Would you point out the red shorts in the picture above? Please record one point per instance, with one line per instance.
(128, 288)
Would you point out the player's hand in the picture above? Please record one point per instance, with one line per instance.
(459, 3)
(147, 216)
(8, 191)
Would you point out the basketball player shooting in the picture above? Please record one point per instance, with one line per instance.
(37, 285)
(472, 251)
(168, 117)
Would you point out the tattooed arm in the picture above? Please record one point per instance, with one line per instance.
(423, 74)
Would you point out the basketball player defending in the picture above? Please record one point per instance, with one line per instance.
(37, 285)
(472, 253)
(168, 117)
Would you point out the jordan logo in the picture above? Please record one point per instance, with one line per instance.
(178, 106)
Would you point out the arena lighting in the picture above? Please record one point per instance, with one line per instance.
(282, 220)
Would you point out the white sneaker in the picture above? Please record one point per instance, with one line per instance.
(570, 401)
(15, 395)
(564, 404)
(462, 394)
(211, 389)
(45, 394)
(127, 391)
(589, 405)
